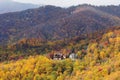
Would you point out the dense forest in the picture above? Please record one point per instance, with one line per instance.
(99, 61)
(44, 22)
(30, 39)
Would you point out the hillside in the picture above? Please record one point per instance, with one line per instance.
(101, 62)
(53, 43)
(114, 10)
(45, 24)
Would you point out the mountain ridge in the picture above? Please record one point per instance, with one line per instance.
(7, 6)
(54, 23)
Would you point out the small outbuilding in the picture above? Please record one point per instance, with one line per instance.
(73, 56)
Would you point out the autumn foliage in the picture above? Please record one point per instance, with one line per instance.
(99, 61)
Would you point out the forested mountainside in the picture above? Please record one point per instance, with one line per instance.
(100, 60)
(114, 10)
(55, 23)
(85, 38)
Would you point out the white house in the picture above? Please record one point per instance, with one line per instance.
(73, 56)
